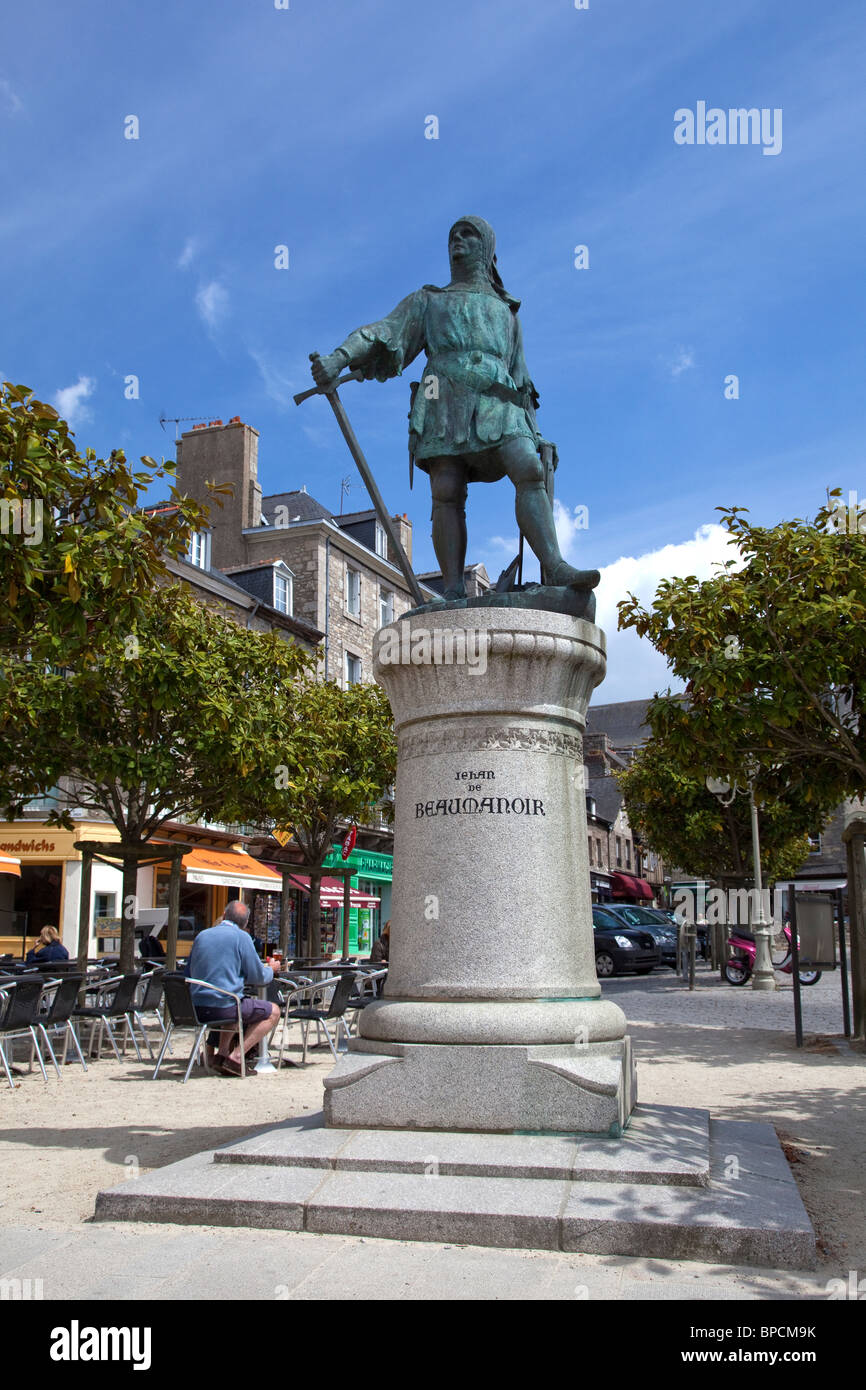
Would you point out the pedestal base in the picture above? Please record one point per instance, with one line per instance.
(666, 1190)
(517, 1089)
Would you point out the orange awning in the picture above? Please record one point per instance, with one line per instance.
(229, 869)
(10, 866)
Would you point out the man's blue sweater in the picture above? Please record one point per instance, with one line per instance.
(224, 955)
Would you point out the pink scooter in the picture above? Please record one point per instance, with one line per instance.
(738, 970)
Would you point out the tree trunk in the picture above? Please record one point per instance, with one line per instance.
(315, 922)
(84, 911)
(129, 913)
(173, 914)
(286, 915)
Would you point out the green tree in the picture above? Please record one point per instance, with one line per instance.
(773, 654)
(167, 720)
(670, 807)
(331, 760)
(76, 551)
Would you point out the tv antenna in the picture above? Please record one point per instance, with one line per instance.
(177, 420)
(345, 487)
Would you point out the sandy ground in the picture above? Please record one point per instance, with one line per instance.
(727, 1050)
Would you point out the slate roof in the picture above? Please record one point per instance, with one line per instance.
(607, 797)
(624, 723)
(299, 504)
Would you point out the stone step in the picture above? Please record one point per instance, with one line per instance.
(663, 1144)
(750, 1213)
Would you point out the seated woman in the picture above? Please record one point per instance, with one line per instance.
(48, 947)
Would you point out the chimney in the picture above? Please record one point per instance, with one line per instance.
(221, 453)
(403, 527)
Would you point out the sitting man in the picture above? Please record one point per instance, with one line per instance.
(225, 956)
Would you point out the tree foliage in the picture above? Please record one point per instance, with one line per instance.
(167, 720)
(76, 551)
(677, 817)
(773, 654)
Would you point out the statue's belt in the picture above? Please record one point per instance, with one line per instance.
(511, 395)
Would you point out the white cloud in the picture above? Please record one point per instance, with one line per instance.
(684, 359)
(568, 525)
(69, 401)
(635, 669)
(212, 302)
(277, 382)
(189, 253)
(11, 99)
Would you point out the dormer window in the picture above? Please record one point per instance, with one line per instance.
(381, 541)
(283, 592)
(198, 552)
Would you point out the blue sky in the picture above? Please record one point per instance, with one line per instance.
(306, 127)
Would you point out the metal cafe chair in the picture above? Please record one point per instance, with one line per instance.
(150, 1001)
(368, 983)
(115, 1003)
(335, 1011)
(19, 1018)
(57, 1018)
(182, 1015)
(286, 991)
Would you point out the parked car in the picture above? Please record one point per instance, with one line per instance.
(652, 920)
(620, 948)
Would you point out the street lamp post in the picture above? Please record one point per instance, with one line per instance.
(763, 976)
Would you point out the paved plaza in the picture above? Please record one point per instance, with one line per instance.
(729, 1049)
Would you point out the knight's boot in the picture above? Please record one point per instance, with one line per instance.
(449, 543)
(535, 519)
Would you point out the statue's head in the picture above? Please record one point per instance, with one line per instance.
(472, 246)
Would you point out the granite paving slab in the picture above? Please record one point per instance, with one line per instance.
(662, 1144)
(515, 1213)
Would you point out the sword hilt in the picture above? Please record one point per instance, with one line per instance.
(356, 375)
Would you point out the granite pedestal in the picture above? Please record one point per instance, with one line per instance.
(493, 1018)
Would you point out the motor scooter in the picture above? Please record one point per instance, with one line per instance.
(739, 969)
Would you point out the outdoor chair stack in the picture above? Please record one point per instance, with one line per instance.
(19, 1018)
(57, 1017)
(115, 1004)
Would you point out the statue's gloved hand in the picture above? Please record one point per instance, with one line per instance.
(327, 369)
(548, 451)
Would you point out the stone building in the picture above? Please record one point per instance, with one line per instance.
(619, 866)
(334, 573)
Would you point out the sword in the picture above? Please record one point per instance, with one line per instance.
(364, 469)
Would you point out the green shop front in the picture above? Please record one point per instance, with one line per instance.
(371, 878)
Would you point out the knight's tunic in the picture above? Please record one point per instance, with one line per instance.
(475, 391)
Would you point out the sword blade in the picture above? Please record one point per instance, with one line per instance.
(375, 496)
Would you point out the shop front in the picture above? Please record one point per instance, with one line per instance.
(373, 872)
(600, 887)
(362, 907)
(210, 879)
(46, 889)
(625, 888)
